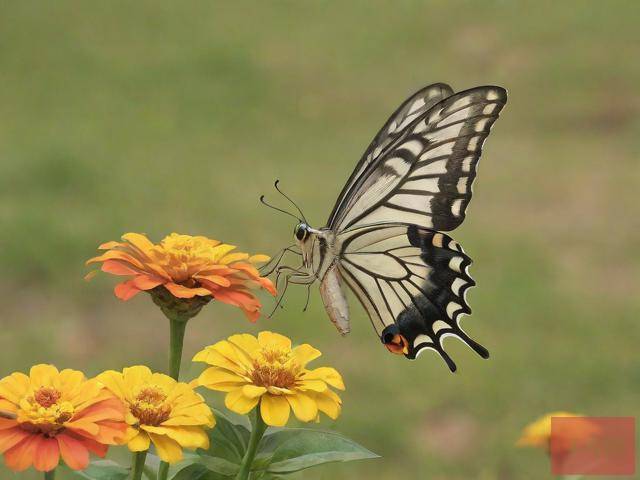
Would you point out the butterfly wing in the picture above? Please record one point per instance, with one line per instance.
(423, 173)
(412, 108)
(412, 282)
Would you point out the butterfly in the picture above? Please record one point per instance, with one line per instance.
(385, 239)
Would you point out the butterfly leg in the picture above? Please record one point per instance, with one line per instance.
(271, 266)
(291, 275)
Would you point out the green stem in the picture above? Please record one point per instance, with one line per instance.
(50, 475)
(163, 471)
(137, 466)
(177, 328)
(259, 427)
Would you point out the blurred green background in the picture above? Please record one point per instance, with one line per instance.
(175, 116)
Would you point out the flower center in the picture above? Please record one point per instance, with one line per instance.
(274, 368)
(45, 412)
(150, 406)
(183, 255)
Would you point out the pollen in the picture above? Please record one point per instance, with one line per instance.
(274, 368)
(47, 396)
(150, 406)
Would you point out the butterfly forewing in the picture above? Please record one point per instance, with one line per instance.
(415, 106)
(425, 175)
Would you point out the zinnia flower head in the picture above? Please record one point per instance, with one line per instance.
(268, 371)
(184, 272)
(50, 414)
(160, 410)
(539, 433)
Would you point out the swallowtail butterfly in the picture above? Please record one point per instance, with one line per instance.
(384, 238)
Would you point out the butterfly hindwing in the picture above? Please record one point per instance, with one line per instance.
(425, 174)
(412, 282)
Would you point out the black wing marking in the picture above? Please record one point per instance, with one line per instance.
(415, 106)
(425, 176)
(412, 282)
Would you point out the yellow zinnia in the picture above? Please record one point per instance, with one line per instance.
(160, 410)
(538, 433)
(268, 371)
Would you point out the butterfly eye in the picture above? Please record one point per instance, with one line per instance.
(301, 232)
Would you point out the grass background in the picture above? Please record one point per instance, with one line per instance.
(164, 116)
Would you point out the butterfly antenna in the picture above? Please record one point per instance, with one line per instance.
(263, 201)
(291, 201)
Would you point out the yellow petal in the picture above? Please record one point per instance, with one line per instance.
(139, 443)
(246, 342)
(168, 450)
(139, 241)
(274, 410)
(270, 339)
(233, 257)
(135, 376)
(237, 402)
(43, 375)
(187, 437)
(327, 374)
(259, 258)
(221, 380)
(303, 406)
(114, 382)
(253, 391)
(329, 403)
(315, 385)
(14, 387)
(306, 353)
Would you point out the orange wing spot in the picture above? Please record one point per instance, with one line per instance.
(398, 345)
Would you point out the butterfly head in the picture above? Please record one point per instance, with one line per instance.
(302, 232)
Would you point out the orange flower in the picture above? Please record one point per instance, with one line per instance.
(51, 414)
(187, 267)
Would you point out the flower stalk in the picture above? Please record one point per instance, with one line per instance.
(177, 328)
(138, 462)
(50, 475)
(257, 432)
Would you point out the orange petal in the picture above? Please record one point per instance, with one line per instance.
(117, 267)
(11, 437)
(20, 457)
(180, 291)
(73, 452)
(217, 279)
(47, 454)
(116, 255)
(147, 282)
(126, 290)
(110, 245)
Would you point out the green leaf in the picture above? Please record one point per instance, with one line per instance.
(104, 470)
(227, 440)
(198, 472)
(228, 443)
(294, 449)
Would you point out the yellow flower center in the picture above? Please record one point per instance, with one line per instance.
(44, 411)
(183, 255)
(150, 406)
(274, 368)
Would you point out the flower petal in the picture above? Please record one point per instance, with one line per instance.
(47, 454)
(237, 402)
(20, 456)
(168, 450)
(326, 374)
(270, 339)
(306, 353)
(126, 290)
(180, 291)
(274, 410)
(303, 406)
(140, 442)
(73, 452)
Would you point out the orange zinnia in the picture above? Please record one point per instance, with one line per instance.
(188, 268)
(50, 414)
